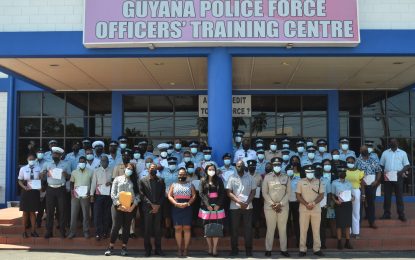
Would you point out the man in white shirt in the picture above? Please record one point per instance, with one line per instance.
(395, 164)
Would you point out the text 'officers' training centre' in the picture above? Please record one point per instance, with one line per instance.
(200, 70)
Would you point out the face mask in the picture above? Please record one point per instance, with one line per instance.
(89, 157)
(82, 165)
(128, 172)
(172, 167)
(290, 173)
(350, 165)
(310, 175)
(190, 170)
(336, 157)
(193, 150)
(300, 149)
(322, 149)
(104, 165)
(123, 146)
(227, 162)
(327, 175)
(137, 156)
(40, 156)
(345, 147)
(182, 179)
(153, 172)
(285, 146)
(186, 159)
(148, 165)
(310, 144)
(56, 159)
(261, 156)
(311, 156)
(238, 139)
(327, 168)
(31, 162)
(277, 169)
(370, 150)
(163, 154)
(170, 151)
(178, 146)
(259, 145)
(273, 147)
(211, 173)
(285, 157)
(207, 157)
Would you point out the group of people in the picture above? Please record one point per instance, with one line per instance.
(290, 189)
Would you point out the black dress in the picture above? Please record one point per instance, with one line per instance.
(211, 195)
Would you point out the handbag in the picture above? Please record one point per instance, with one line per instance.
(214, 229)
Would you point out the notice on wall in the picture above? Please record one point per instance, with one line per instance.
(241, 106)
(167, 23)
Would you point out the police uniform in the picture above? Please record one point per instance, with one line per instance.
(344, 150)
(261, 162)
(285, 159)
(286, 145)
(244, 155)
(276, 189)
(372, 153)
(321, 153)
(48, 154)
(96, 145)
(310, 190)
(311, 159)
(301, 151)
(207, 155)
(238, 134)
(114, 159)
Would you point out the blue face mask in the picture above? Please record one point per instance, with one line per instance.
(190, 170)
(186, 159)
(227, 162)
(172, 167)
(193, 150)
(128, 172)
(89, 157)
(207, 157)
(285, 157)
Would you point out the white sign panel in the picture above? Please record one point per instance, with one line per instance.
(241, 106)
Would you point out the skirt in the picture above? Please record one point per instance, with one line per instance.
(182, 217)
(344, 215)
(30, 201)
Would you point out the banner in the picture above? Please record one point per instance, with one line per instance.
(167, 23)
(241, 106)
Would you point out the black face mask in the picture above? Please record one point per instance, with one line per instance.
(56, 159)
(182, 179)
(365, 153)
(153, 172)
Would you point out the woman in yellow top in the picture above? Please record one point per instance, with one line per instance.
(355, 177)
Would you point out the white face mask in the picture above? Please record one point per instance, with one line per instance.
(211, 173)
(285, 146)
(336, 157)
(310, 175)
(290, 173)
(345, 147)
(310, 144)
(207, 157)
(327, 168)
(148, 165)
(186, 159)
(322, 149)
(137, 156)
(227, 162)
(128, 172)
(89, 157)
(178, 146)
(163, 154)
(31, 162)
(285, 157)
(350, 165)
(311, 156)
(261, 156)
(277, 169)
(238, 139)
(172, 167)
(273, 147)
(123, 146)
(370, 150)
(300, 149)
(81, 165)
(40, 156)
(193, 150)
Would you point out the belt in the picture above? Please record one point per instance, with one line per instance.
(56, 186)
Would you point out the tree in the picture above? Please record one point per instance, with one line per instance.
(259, 123)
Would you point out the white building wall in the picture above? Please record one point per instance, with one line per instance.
(67, 15)
(3, 146)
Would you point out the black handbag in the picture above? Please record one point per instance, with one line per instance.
(214, 229)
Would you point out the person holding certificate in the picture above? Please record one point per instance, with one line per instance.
(395, 163)
(355, 177)
(373, 174)
(30, 184)
(125, 197)
(341, 191)
(80, 185)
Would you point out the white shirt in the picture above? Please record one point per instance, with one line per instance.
(244, 156)
(24, 173)
(95, 164)
(394, 161)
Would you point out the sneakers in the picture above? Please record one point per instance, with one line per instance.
(109, 251)
(124, 251)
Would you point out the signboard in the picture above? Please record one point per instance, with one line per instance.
(166, 23)
(241, 106)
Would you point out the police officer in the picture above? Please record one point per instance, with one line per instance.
(261, 162)
(169, 176)
(310, 192)
(56, 191)
(48, 154)
(371, 150)
(344, 149)
(161, 161)
(86, 143)
(301, 152)
(207, 159)
(286, 144)
(40, 155)
(311, 156)
(123, 143)
(245, 153)
(92, 162)
(238, 135)
(177, 152)
(259, 144)
(73, 157)
(285, 159)
(321, 153)
(113, 157)
(197, 156)
(98, 147)
(227, 170)
(272, 152)
(309, 142)
(276, 189)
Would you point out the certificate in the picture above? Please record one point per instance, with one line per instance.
(346, 195)
(391, 176)
(56, 174)
(242, 197)
(81, 191)
(34, 184)
(323, 202)
(104, 189)
(369, 179)
(196, 184)
(378, 191)
(258, 192)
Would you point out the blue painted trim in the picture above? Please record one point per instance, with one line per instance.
(3, 205)
(24, 85)
(333, 119)
(162, 92)
(69, 44)
(116, 115)
(4, 84)
(11, 175)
